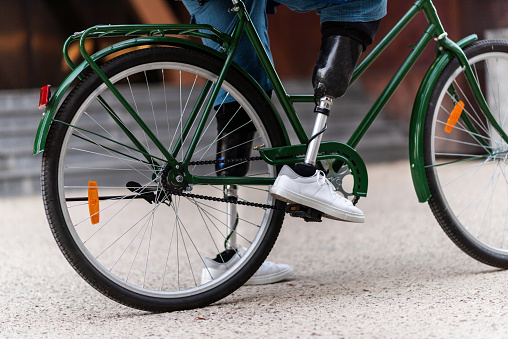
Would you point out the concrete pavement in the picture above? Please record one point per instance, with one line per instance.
(396, 276)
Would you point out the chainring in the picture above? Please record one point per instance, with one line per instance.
(337, 178)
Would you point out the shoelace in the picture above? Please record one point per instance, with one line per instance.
(322, 180)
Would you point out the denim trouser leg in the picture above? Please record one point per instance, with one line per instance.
(215, 13)
(347, 11)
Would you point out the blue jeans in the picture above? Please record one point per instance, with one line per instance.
(348, 11)
(215, 13)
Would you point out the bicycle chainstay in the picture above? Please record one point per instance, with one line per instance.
(168, 188)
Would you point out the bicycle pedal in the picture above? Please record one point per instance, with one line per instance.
(308, 214)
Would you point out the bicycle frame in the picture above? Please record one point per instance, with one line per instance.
(158, 34)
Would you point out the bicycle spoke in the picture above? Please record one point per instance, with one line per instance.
(209, 215)
(124, 234)
(473, 114)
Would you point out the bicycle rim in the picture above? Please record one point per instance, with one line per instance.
(144, 240)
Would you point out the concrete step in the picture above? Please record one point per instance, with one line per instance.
(19, 119)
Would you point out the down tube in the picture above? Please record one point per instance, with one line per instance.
(391, 87)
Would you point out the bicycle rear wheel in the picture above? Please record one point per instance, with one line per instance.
(466, 161)
(110, 210)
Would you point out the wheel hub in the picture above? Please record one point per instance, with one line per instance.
(173, 180)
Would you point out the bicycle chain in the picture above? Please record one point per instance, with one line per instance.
(222, 161)
(168, 188)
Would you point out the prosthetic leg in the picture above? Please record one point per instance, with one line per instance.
(306, 188)
(334, 67)
(336, 62)
(341, 46)
(235, 133)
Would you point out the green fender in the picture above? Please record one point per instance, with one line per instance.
(418, 120)
(60, 93)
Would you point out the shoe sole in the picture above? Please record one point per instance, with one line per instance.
(270, 279)
(266, 279)
(295, 198)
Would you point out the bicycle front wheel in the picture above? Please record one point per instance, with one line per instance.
(128, 230)
(466, 157)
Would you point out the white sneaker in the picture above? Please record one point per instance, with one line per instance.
(315, 192)
(267, 273)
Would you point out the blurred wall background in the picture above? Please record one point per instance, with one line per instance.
(32, 33)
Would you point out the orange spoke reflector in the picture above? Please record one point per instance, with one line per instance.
(454, 117)
(93, 202)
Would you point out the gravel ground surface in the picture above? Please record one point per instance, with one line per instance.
(396, 276)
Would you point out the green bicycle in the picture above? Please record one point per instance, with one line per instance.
(129, 171)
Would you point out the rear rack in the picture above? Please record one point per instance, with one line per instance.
(136, 31)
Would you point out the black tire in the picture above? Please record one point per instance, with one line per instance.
(466, 168)
(136, 253)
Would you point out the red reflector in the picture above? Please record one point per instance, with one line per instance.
(44, 96)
